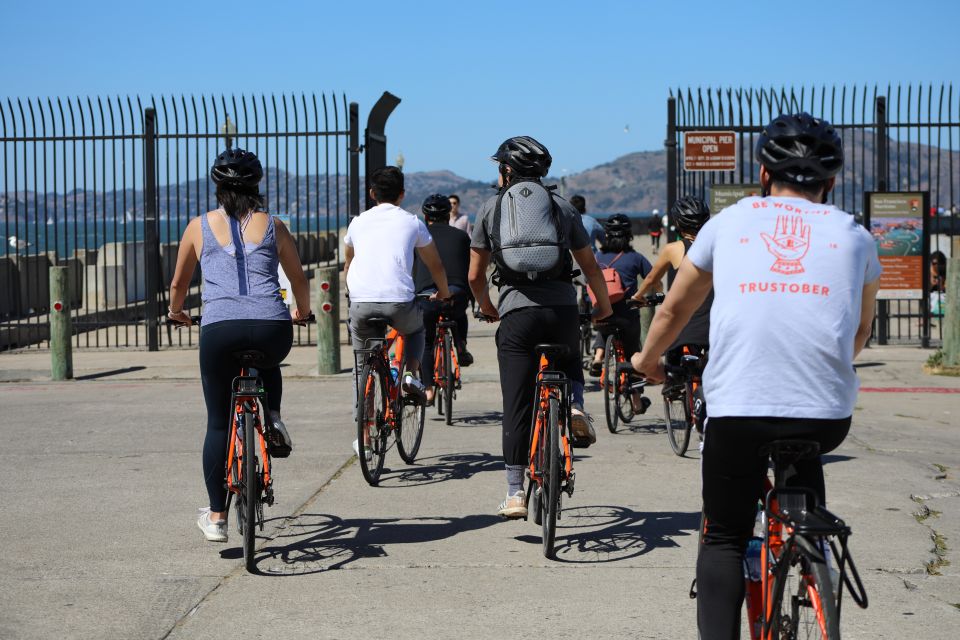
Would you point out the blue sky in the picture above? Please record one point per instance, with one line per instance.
(470, 74)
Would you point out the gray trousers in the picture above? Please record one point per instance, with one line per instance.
(405, 317)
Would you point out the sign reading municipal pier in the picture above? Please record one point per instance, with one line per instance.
(709, 150)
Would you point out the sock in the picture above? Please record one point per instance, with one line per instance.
(514, 478)
(577, 393)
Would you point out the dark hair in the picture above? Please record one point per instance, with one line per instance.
(238, 201)
(616, 244)
(454, 196)
(815, 191)
(579, 203)
(387, 184)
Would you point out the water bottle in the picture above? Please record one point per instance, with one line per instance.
(394, 374)
(751, 559)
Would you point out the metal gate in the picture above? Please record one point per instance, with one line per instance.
(899, 138)
(105, 186)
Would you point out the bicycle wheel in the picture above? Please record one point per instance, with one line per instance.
(699, 410)
(675, 415)
(250, 492)
(448, 377)
(807, 606)
(439, 377)
(550, 493)
(609, 383)
(410, 431)
(372, 412)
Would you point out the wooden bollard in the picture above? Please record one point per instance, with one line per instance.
(61, 349)
(951, 315)
(327, 282)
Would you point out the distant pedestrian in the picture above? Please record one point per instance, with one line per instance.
(459, 220)
(655, 228)
(593, 228)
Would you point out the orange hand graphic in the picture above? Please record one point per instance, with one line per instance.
(789, 243)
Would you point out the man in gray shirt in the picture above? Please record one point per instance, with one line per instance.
(532, 313)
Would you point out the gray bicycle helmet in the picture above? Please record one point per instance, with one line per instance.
(801, 149)
(618, 225)
(689, 213)
(436, 207)
(527, 157)
(237, 168)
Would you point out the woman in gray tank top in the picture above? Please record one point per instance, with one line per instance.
(239, 249)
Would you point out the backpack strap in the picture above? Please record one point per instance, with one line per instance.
(607, 266)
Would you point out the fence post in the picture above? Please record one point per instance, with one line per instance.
(328, 320)
(375, 141)
(671, 147)
(951, 314)
(354, 160)
(880, 163)
(61, 350)
(151, 232)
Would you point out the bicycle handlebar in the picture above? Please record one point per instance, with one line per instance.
(650, 300)
(195, 320)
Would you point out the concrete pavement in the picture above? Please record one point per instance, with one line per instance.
(103, 483)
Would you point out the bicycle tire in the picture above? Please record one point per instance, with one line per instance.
(610, 384)
(809, 610)
(675, 415)
(250, 490)
(372, 384)
(551, 479)
(410, 432)
(699, 410)
(448, 378)
(438, 375)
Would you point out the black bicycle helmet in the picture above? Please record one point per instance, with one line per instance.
(801, 149)
(436, 207)
(618, 225)
(689, 214)
(527, 157)
(237, 168)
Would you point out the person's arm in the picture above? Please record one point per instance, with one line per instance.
(587, 262)
(654, 279)
(290, 261)
(348, 258)
(690, 288)
(477, 277)
(431, 259)
(183, 273)
(867, 306)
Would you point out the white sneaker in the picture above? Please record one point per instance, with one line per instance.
(413, 387)
(514, 506)
(212, 531)
(367, 451)
(581, 424)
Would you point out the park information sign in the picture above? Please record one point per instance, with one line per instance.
(897, 221)
(724, 195)
(709, 150)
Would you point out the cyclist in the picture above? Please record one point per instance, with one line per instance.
(380, 244)
(618, 253)
(795, 281)
(459, 220)
(454, 248)
(541, 311)
(238, 247)
(655, 229)
(688, 214)
(590, 224)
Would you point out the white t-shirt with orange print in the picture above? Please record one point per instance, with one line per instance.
(788, 278)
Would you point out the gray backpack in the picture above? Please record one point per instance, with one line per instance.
(527, 237)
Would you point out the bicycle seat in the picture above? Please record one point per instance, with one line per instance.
(447, 324)
(786, 452)
(552, 350)
(250, 358)
(377, 322)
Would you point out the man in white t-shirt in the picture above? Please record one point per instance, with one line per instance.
(379, 271)
(795, 282)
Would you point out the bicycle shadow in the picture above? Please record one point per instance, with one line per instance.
(443, 468)
(488, 419)
(321, 542)
(604, 533)
(643, 425)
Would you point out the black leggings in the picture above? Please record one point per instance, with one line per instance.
(628, 322)
(519, 332)
(733, 474)
(218, 342)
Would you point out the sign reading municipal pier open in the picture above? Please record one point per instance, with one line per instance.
(709, 150)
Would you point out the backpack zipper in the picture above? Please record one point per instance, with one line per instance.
(513, 216)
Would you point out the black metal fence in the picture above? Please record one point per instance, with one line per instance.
(898, 138)
(105, 186)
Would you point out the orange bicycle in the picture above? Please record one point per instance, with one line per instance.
(550, 471)
(381, 407)
(446, 365)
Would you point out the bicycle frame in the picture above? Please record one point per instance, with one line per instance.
(247, 396)
(439, 372)
(550, 384)
(381, 350)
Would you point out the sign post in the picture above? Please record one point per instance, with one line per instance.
(709, 151)
(898, 223)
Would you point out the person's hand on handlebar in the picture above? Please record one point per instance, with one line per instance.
(301, 317)
(651, 368)
(441, 295)
(600, 314)
(489, 311)
(180, 318)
